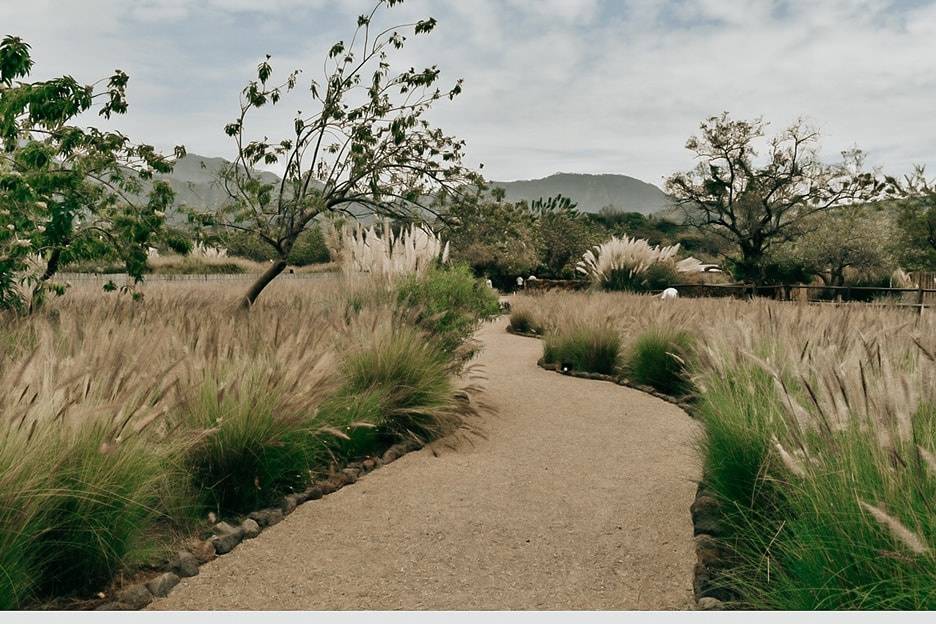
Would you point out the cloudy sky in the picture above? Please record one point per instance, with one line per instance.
(592, 86)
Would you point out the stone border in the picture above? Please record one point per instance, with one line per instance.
(683, 404)
(707, 527)
(226, 537)
(712, 556)
(511, 330)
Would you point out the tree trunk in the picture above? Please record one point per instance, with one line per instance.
(52, 265)
(36, 300)
(265, 278)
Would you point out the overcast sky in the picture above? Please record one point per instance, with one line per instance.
(591, 86)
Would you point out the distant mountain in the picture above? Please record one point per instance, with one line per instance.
(592, 192)
(195, 182)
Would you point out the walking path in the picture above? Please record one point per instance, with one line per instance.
(578, 499)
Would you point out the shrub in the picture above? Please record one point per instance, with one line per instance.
(309, 248)
(449, 303)
(587, 348)
(524, 321)
(657, 359)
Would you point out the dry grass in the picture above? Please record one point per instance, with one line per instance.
(121, 421)
(820, 433)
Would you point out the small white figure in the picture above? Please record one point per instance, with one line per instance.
(519, 282)
(489, 283)
(669, 293)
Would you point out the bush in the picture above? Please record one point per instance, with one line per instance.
(657, 359)
(309, 248)
(524, 322)
(449, 303)
(593, 349)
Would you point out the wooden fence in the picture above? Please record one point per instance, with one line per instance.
(120, 278)
(921, 296)
(916, 297)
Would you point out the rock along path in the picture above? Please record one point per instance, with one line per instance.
(578, 499)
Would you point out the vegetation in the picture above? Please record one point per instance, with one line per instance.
(757, 207)
(497, 239)
(155, 412)
(524, 321)
(658, 359)
(584, 348)
(629, 264)
(376, 152)
(916, 222)
(448, 303)
(563, 235)
(819, 439)
(67, 191)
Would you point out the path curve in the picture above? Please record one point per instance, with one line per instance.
(578, 499)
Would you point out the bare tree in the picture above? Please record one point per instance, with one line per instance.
(366, 147)
(755, 205)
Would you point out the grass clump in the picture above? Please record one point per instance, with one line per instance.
(76, 506)
(584, 347)
(252, 443)
(524, 322)
(658, 359)
(396, 385)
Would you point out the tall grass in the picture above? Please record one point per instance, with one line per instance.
(586, 348)
(397, 385)
(658, 358)
(122, 421)
(820, 432)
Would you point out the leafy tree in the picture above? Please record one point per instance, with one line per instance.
(617, 222)
(756, 207)
(563, 235)
(852, 239)
(494, 237)
(366, 146)
(916, 221)
(65, 190)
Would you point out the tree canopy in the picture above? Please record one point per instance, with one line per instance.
(67, 190)
(363, 144)
(757, 203)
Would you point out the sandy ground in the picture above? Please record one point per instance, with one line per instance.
(578, 499)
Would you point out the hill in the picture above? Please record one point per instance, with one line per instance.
(592, 192)
(195, 182)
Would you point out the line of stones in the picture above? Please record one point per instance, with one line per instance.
(226, 537)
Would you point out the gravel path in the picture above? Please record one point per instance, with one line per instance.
(578, 499)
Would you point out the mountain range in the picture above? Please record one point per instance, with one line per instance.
(195, 182)
(592, 192)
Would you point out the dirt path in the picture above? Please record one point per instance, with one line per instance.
(578, 499)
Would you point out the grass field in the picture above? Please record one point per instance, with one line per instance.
(124, 423)
(820, 433)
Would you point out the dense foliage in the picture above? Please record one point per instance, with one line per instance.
(69, 192)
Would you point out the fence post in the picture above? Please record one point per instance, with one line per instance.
(920, 296)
